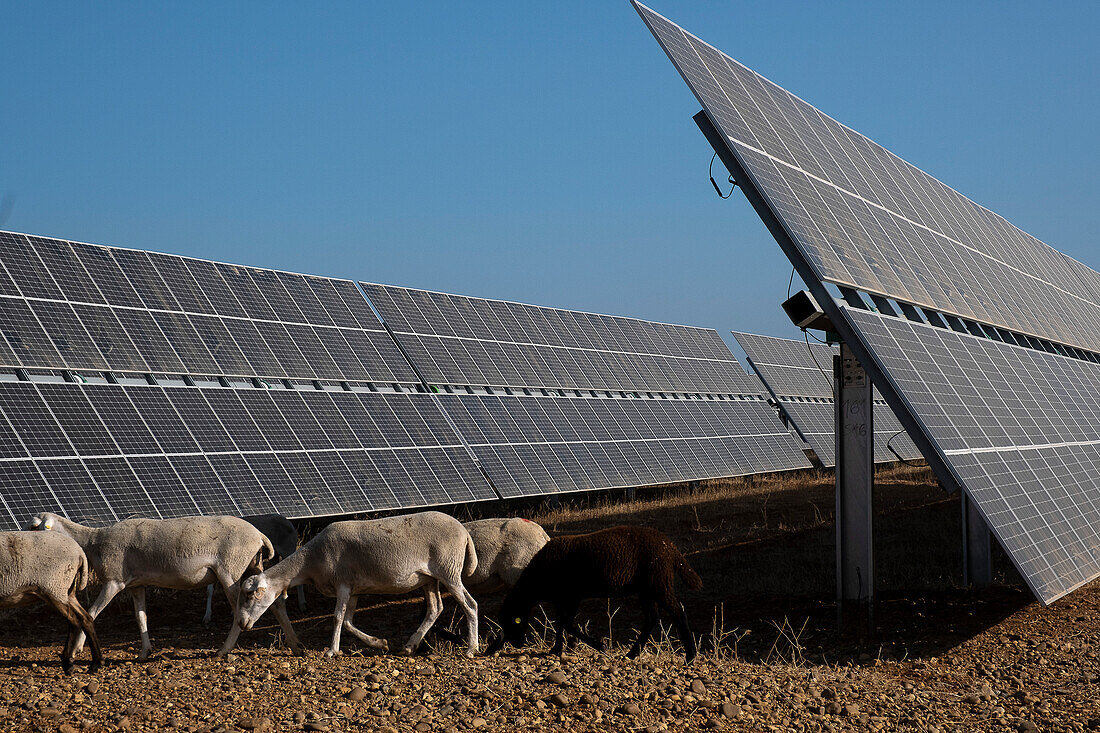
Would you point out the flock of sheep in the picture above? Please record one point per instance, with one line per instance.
(429, 551)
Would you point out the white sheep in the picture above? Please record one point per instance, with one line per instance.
(180, 553)
(284, 538)
(381, 556)
(51, 568)
(504, 547)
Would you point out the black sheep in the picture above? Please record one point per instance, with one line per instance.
(611, 563)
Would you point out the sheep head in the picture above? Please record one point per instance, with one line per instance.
(44, 521)
(256, 596)
(515, 623)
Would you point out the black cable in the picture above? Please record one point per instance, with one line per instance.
(825, 376)
(789, 282)
(715, 183)
(896, 454)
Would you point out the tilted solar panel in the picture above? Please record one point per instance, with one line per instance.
(551, 400)
(861, 216)
(788, 367)
(68, 305)
(101, 452)
(455, 339)
(1020, 428)
(800, 377)
(542, 445)
(1000, 414)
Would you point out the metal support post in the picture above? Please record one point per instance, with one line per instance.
(855, 559)
(977, 549)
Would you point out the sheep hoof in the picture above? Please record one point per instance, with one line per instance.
(408, 651)
(385, 646)
(298, 651)
(67, 666)
(470, 654)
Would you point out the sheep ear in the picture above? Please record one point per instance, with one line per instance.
(49, 523)
(36, 521)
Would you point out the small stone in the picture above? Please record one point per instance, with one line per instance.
(972, 699)
(478, 723)
(299, 718)
(852, 711)
(698, 688)
(356, 694)
(557, 677)
(50, 712)
(558, 700)
(92, 687)
(254, 724)
(66, 728)
(422, 728)
(315, 725)
(833, 708)
(631, 709)
(387, 729)
(1026, 726)
(731, 711)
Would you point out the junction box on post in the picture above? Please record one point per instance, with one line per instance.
(855, 478)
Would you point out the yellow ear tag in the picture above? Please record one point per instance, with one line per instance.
(519, 621)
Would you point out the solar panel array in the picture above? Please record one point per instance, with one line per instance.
(579, 401)
(454, 339)
(863, 217)
(135, 383)
(1004, 422)
(1020, 427)
(199, 387)
(800, 378)
(68, 305)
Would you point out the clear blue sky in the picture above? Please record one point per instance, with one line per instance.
(529, 151)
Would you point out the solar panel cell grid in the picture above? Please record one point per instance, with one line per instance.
(461, 340)
(863, 217)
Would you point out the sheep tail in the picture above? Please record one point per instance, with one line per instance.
(687, 573)
(470, 565)
(267, 552)
(80, 581)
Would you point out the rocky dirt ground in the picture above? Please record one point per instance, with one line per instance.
(944, 658)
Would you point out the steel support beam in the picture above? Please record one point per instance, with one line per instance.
(855, 478)
(977, 547)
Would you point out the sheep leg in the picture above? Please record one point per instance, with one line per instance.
(469, 606)
(343, 595)
(138, 594)
(371, 641)
(679, 615)
(67, 654)
(434, 607)
(302, 598)
(110, 589)
(288, 630)
(563, 615)
(209, 604)
(686, 636)
(567, 622)
(88, 627)
(231, 588)
(648, 623)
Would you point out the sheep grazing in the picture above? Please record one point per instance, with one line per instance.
(284, 538)
(504, 547)
(51, 568)
(380, 556)
(167, 553)
(611, 563)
